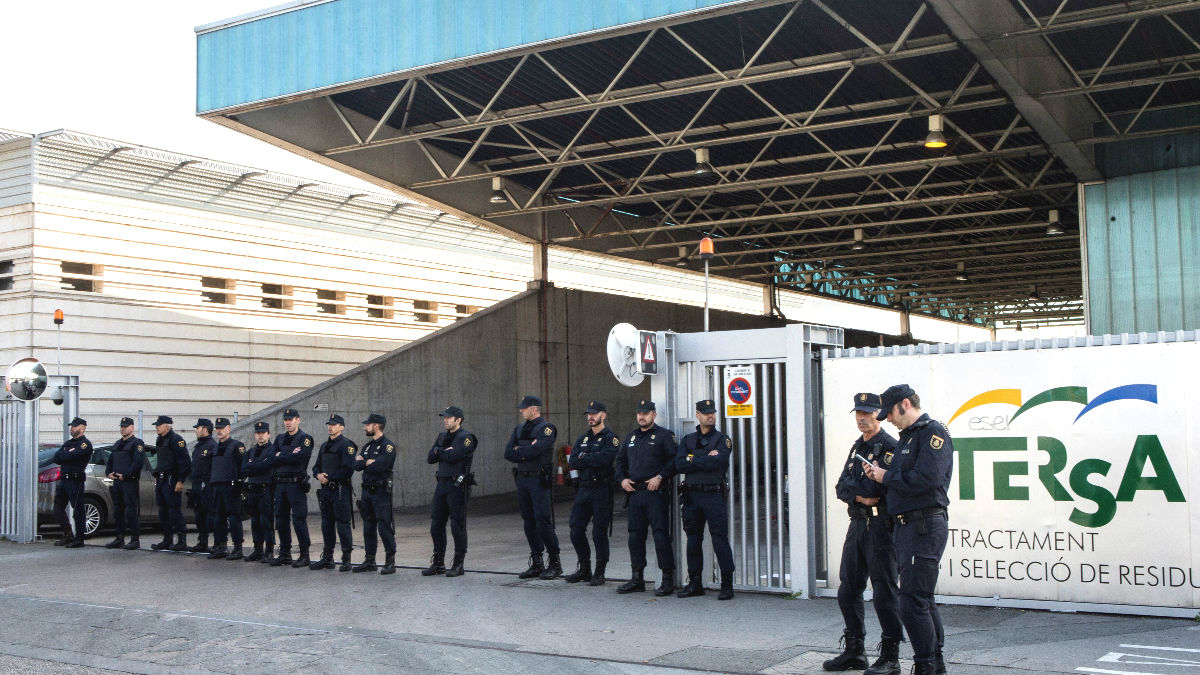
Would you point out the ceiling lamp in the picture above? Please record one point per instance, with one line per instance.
(703, 168)
(962, 272)
(1035, 295)
(498, 196)
(936, 139)
(683, 257)
(858, 244)
(1053, 229)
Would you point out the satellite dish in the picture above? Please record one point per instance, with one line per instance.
(623, 354)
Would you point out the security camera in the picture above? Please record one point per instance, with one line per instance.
(58, 396)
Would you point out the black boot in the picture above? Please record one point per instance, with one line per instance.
(726, 586)
(888, 662)
(389, 564)
(437, 565)
(535, 567)
(255, 555)
(180, 543)
(325, 563)
(284, 558)
(598, 574)
(853, 656)
(925, 668)
(367, 565)
(456, 568)
(66, 539)
(75, 543)
(583, 573)
(345, 566)
(667, 587)
(694, 587)
(636, 583)
(218, 552)
(164, 545)
(268, 555)
(235, 554)
(201, 545)
(133, 545)
(117, 542)
(939, 663)
(553, 569)
(303, 560)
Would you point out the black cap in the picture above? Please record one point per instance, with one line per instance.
(289, 413)
(375, 418)
(126, 421)
(336, 419)
(452, 411)
(221, 422)
(77, 421)
(596, 407)
(706, 406)
(867, 402)
(262, 426)
(891, 396)
(646, 405)
(203, 422)
(528, 401)
(162, 419)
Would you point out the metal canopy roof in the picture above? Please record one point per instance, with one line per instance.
(813, 114)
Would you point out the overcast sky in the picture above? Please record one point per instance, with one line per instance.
(125, 70)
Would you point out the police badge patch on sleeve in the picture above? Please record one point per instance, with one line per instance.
(392, 448)
(936, 442)
(728, 442)
(616, 442)
(547, 431)
(307, 442)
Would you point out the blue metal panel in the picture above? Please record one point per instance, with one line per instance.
(1150, 154)
(1143, 252)
(347, 40)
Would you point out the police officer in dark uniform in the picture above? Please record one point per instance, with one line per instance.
(72, 459)
(227, 492)
(592, 457)
(452, 452)
(260, 493)
(293, 450)
(375, 461)
(123, 468)
(333, 470)
(173, 468)
(868, 550)
(917, 484)
(201, 492)
(531, 449)
(704, 457)
(644, 466)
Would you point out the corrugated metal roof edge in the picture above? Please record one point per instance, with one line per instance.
(258, 14)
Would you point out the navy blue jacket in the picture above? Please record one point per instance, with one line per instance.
(384, 452)
(921, 469)
(127, 458)
(853, 482)
(202, 454)
(336, 459)
(73, 457)
(531, 445)
(172, 456)
(256, 463)
(292, 453)
(646, 454)
(227, 460)
(693, 458)
(593, 455)
(452, 452)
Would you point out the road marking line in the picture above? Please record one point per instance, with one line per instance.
(1116, 657)
(1115, 672)
(1166, 649)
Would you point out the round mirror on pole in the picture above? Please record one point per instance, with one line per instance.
(26, 379)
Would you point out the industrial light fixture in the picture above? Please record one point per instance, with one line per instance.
(1035, 295)
(498, 196)
(683, 257)
(858, 244)
(1053, 229)
(1018, 326)
(962, 272)
(703, 168)
(936, 139)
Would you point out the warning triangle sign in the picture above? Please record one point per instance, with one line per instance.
(648, 351)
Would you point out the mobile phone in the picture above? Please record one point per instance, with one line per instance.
(862, 459)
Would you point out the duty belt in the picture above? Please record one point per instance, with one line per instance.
(71, 475)
(527, 474)
(221, 482)
(449, 479)
(702, 487)
(257, 487)
(289, 479)
(163, 474)
(595, 482)
(862, 512)
(919, 514)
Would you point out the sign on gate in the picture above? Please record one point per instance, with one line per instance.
(648, 352)
(739, 391)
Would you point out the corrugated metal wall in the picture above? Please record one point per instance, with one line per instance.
(1143, 252)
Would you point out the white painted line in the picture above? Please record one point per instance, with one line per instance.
(1120, 657)
(1115, 672)
(1166, 649)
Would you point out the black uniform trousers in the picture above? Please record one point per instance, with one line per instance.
(70, 491)
(336, 501)
(450, 503)
(125, 507)
(260, 502)
(537, 512)
(227, 514)
(649, 509)
(170, 506)
(919, 548)
(592, 503)
(375, 505)
(289, 498)
(202, 508)
(700, 508)
(868, 553)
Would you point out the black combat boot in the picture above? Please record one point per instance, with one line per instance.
(535, 567)
(437, 565)
(888, 662)
(367, 565)
(218, 552)
(268, 555)
(924, 668)
(284, 558)
(554, 569)
(853, 656)
(389, 564)
(939, 663)
(636, 583)
(164, 545)
(726, 586)
(255, 555)
(303, 560)
(325, 563)
(76, 543)
(598, 575)
(456, 568)
(132, 545)
(667, 587)
(66, 539)
(201, 545)
(235, 554)
(345, 566)
(117, 542)
(180, 543)
(694, 587)
(583, 573)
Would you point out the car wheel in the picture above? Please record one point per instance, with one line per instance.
(94, 516)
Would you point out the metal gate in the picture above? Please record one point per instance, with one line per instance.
(18, 469)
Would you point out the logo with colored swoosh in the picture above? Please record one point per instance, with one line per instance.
(1126, 392)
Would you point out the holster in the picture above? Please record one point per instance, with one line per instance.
(305, 485)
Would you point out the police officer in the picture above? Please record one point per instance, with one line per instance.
(868, 550)
(531, 449)
(917, 483)
(375, 461)
(333, 470)
(72, 459)
(452, 452)
(123, 468)
(201, 493)
(644, 466)
(260, 493)
(293, 450)
(704, 457)
(227, 492)
(173, 468)
(592, 457)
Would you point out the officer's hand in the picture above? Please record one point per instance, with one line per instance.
(369, 462)
(714, 453)
(627, 485)
(112, 476)
(120, 476)
(873, 472)
(322, 477)
(179, 487)
(358, 458)
(866, 501)
(653, 483)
